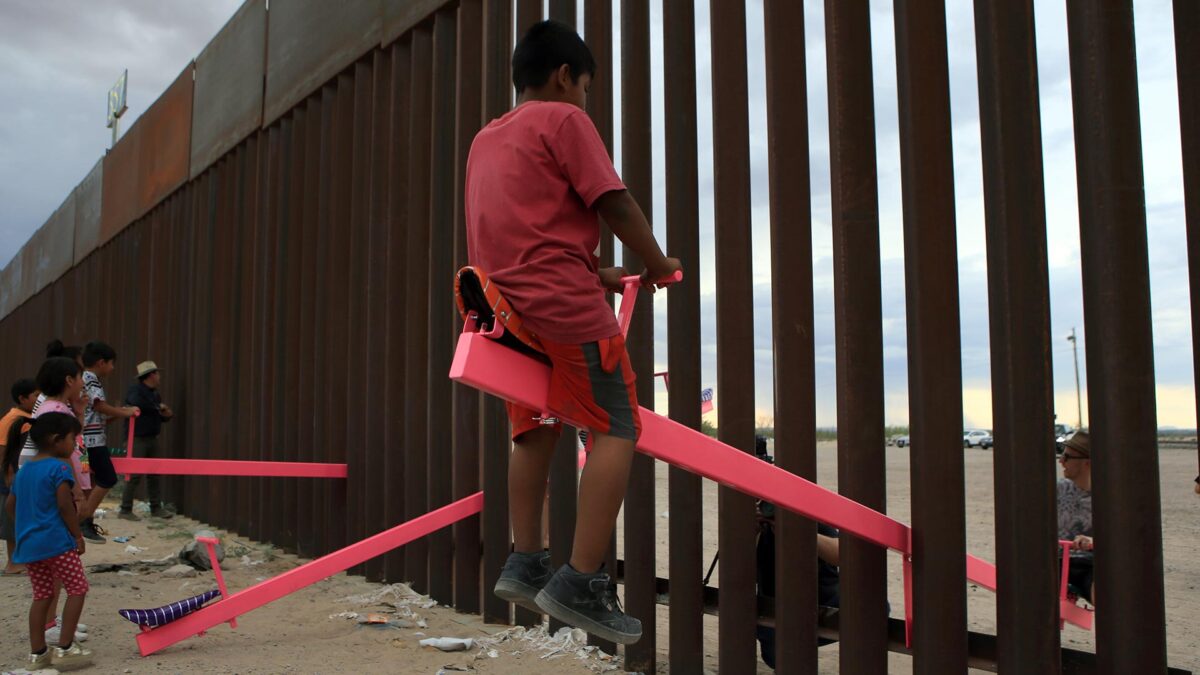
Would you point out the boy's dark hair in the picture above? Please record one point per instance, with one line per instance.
(97, 351)
(52, 426)
(52, 376)
(548, 45)
(57, 348)
(12, 447)
(22, 388)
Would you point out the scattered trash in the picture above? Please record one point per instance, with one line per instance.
(454, 667)
(344, 615)
(134, 550)
(421, 623)
(106, 567)
(127, 573)
(565, 642)
(448, 644)
(100, 513)
(180, 572)
(122, 540)
(247, 562)
(665, 514)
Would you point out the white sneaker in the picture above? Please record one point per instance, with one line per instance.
(71, 657)
(79, 627)
(54, 634)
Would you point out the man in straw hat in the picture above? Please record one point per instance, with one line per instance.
(1075, 510)
(144, 394)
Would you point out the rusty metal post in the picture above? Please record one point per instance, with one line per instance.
(858, 327)
(1120, 355)
(564, 11)
(528, 13)
(375, 481)
(939, 534)
(597, 30)
(469, 114)
(443, 317)
(685, 561)
(735, 328)
(416, 381)
(397, 295)
(1187, 71)
(310, 257)
(1019, 305)
(640, 517)
(792, 330)
(497, 535)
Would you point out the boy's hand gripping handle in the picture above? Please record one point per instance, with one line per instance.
(629, 296)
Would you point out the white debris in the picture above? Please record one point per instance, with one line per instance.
(344, 615)
(247, 562)
(565, 642)
(134, 550)
(448, 644)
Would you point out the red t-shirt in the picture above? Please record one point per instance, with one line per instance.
(532, 178)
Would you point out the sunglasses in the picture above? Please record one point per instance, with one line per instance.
(1066, 458)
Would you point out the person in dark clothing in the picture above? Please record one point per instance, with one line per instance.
(147, 425)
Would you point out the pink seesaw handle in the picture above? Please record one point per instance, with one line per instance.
(129, 443)
(629, 296)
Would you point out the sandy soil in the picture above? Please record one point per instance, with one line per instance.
(303, 632)
(1181, 531)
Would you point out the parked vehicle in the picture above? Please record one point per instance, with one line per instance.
(973, 437)
(986, 442)
(902, 441)
(1061, 433)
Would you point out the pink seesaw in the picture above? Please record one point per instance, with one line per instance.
(480, 361)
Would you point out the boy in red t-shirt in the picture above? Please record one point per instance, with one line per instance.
(538, 178)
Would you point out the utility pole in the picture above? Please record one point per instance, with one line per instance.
(1078, 398)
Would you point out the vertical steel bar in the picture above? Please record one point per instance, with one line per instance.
(397, 296)
(497, 537)
(686, 624)
(358, 418)
(598, 33)
(337, 359)
(792, 330)
(1120, 358)
(1187, 72)
(564, 11)
(858, 317)
(443, 316)
(1019, 305)
(292, 362)
(934, 355)
(416, 430)
(468, 116)
(281, 185)
(324, 346)
(529, 12)
(267, 319)
(375, 484)
(242, 419)
(636, 142)
(310, 329)
(735, 327)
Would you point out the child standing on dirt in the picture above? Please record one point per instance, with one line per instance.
(24, 394)
(49, 541)
(537, 180)
(99, 360)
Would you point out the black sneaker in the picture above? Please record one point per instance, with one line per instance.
(524, 574)
(161, 512)
(91, 533)
(589, 602)
(127, 515)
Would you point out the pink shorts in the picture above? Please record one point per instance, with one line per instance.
(66, 569)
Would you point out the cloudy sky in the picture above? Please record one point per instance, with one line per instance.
(58, 60)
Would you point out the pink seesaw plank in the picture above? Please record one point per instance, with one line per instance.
(226, 467)
(485, 364)
(498, 370)
(305, 575)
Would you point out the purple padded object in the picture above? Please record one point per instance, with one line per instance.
(160, 616)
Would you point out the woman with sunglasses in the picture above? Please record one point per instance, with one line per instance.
(1075, 510)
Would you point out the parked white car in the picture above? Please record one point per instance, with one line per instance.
(975, 437)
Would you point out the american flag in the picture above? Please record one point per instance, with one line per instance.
(706, 404)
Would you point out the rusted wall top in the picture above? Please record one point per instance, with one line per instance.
(310, 41)
(166, 147)
(229, 86)
(87, 213)
(399, 17)
(53, 250)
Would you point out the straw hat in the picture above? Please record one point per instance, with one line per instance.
(146, 367)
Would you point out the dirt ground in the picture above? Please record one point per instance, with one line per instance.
(1181, 531)
(310, 631)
